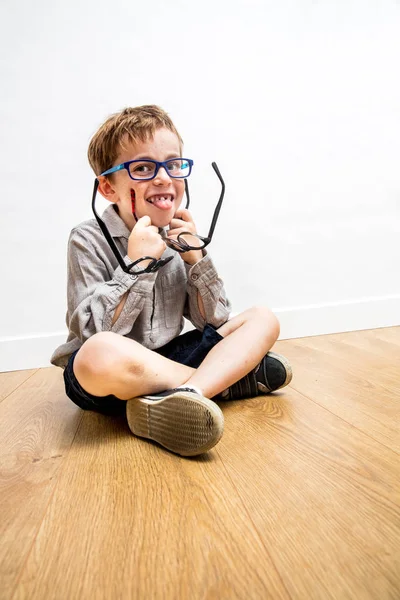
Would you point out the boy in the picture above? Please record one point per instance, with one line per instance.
(124, 350)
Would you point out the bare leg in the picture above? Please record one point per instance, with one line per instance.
(248, 337)
(111, 364)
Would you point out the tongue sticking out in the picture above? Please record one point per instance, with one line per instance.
(162, 202)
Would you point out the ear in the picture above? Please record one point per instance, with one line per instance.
(106, 189)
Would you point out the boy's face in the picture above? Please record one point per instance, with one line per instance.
(159, 198)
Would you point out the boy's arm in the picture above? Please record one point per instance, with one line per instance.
(97, 302)
(119, 308)
(207, 301)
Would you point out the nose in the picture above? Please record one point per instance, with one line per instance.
(162, 176)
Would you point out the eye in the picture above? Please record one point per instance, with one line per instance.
(142, 168)
(174, 165)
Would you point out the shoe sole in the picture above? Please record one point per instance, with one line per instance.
(182, 422)
(288, 368)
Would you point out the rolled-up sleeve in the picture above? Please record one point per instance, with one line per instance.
(203, 279)
(94, 293)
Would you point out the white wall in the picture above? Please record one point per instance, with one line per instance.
(308, 90)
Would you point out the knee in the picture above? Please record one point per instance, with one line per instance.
(267, 320)
(103, 355)
(96, 357)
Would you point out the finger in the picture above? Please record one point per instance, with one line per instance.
(173, 233)
(149, 228)
(176, 223)
(188, 225)
(183, 214)
(143, 222)
(178, 230)
(187, 237)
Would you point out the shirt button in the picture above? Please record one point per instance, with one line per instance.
(194, 277)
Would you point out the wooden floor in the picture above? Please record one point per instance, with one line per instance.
(300, 499)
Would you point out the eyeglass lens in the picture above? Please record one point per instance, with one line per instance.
(146, 169)
(186, 241)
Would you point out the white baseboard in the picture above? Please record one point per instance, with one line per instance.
(338, 317)
(29, 352)
(34, 351)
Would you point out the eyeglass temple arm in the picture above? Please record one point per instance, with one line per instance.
(218, 207)
(105, 231)
(187, 194)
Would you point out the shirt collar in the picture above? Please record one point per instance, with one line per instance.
(114, 223)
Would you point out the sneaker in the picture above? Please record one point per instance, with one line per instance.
(273, 373)
(180, 419)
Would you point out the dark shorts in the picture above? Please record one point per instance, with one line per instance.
(189, 349)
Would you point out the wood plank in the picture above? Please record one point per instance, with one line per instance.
(375, 341)
(37, 426)
(381, 373)
(130, 520)
(11, 380)
(387, 334)
(355, 386)
(324, 497)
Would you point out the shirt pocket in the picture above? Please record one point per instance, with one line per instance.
(173, 289)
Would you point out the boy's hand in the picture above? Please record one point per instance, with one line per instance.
(183, 222)
(145, 240)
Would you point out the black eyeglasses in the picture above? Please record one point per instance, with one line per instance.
(185, 241)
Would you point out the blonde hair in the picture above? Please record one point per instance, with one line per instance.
(129, 125)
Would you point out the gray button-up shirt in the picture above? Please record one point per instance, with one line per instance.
(156, 302)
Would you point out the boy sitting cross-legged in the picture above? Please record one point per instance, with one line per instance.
(124, 349)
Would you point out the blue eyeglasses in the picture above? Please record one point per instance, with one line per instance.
(144, 170)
